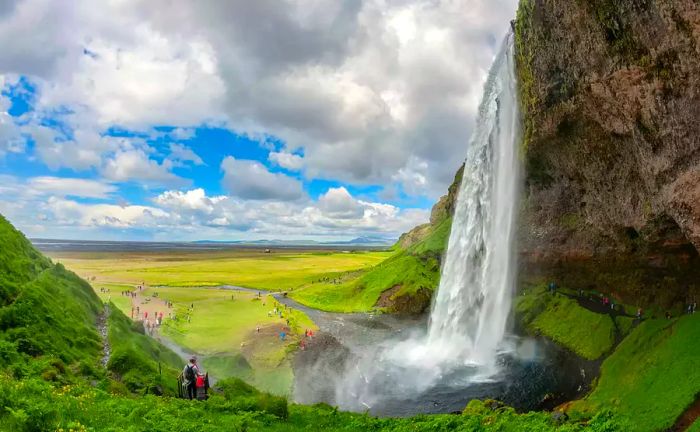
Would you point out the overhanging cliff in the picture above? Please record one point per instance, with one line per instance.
(610, 94)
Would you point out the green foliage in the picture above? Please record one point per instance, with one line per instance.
(695, 427)
(48, 323)
(246, 398)
(142, 364)
(652, 376)
(561, 319)
(435, 242)
(524, 58)
(412, 271)
(19, 262)
(34, 405)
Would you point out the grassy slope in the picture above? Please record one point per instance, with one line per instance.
(411, 269)
(48, 328)
(561, 319)
(47, 314)
(652, 376)
(143, 365)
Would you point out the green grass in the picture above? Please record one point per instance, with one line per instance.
(218, 323)
(652, 375)
(141, 363)
(361, 294)
(411, 270)
(35, 405)
(278, 271)
(222, 328)
(695, 427)
(52, 379)
(114, 296)
(588, 334)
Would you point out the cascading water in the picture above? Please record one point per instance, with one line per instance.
(460, 349)
(473, 301)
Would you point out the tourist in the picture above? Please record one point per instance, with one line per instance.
(189, 378)
(282, 335)
(552, 287)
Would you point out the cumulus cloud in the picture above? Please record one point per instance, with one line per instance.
(135, 165)
(62, 186)
(68, 212)
(250, 179)
(367, 88)
(11, 140)
(369, 92)
(192, 214)
(338, 203)
(195, 200)
(181, 155)
(286, 160)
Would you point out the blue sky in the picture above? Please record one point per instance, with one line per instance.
(334, 121)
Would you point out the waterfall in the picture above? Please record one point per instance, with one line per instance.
(469, 314)
(462, 343)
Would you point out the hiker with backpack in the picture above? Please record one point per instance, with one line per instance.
(189, 378)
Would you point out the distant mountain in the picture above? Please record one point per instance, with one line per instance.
(366, 240)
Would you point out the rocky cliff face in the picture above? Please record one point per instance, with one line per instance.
(610, 91)
(441, 211)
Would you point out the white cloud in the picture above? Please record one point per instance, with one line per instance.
(67, 212)
(368, 89)
(180, 155)
(250, 179)
(134, 166)
(286, 160)
(195, 199)
(84, 152)
(59, 186)
(338, 203)
(192, 215)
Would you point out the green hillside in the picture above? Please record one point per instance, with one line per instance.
(404, 282)
(54, 379)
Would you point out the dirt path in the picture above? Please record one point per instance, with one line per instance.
(688, 418)
(102, 327)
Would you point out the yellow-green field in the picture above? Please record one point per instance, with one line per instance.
(223, 324)
(279, 270)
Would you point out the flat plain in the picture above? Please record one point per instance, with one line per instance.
(235, 333)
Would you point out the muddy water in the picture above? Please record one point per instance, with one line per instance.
(534, 373)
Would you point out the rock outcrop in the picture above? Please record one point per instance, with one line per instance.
(441, 211)
(610, 91)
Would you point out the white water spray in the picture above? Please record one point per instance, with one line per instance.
(469, 315)
(468, 320)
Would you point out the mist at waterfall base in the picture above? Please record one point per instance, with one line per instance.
(463, 352)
